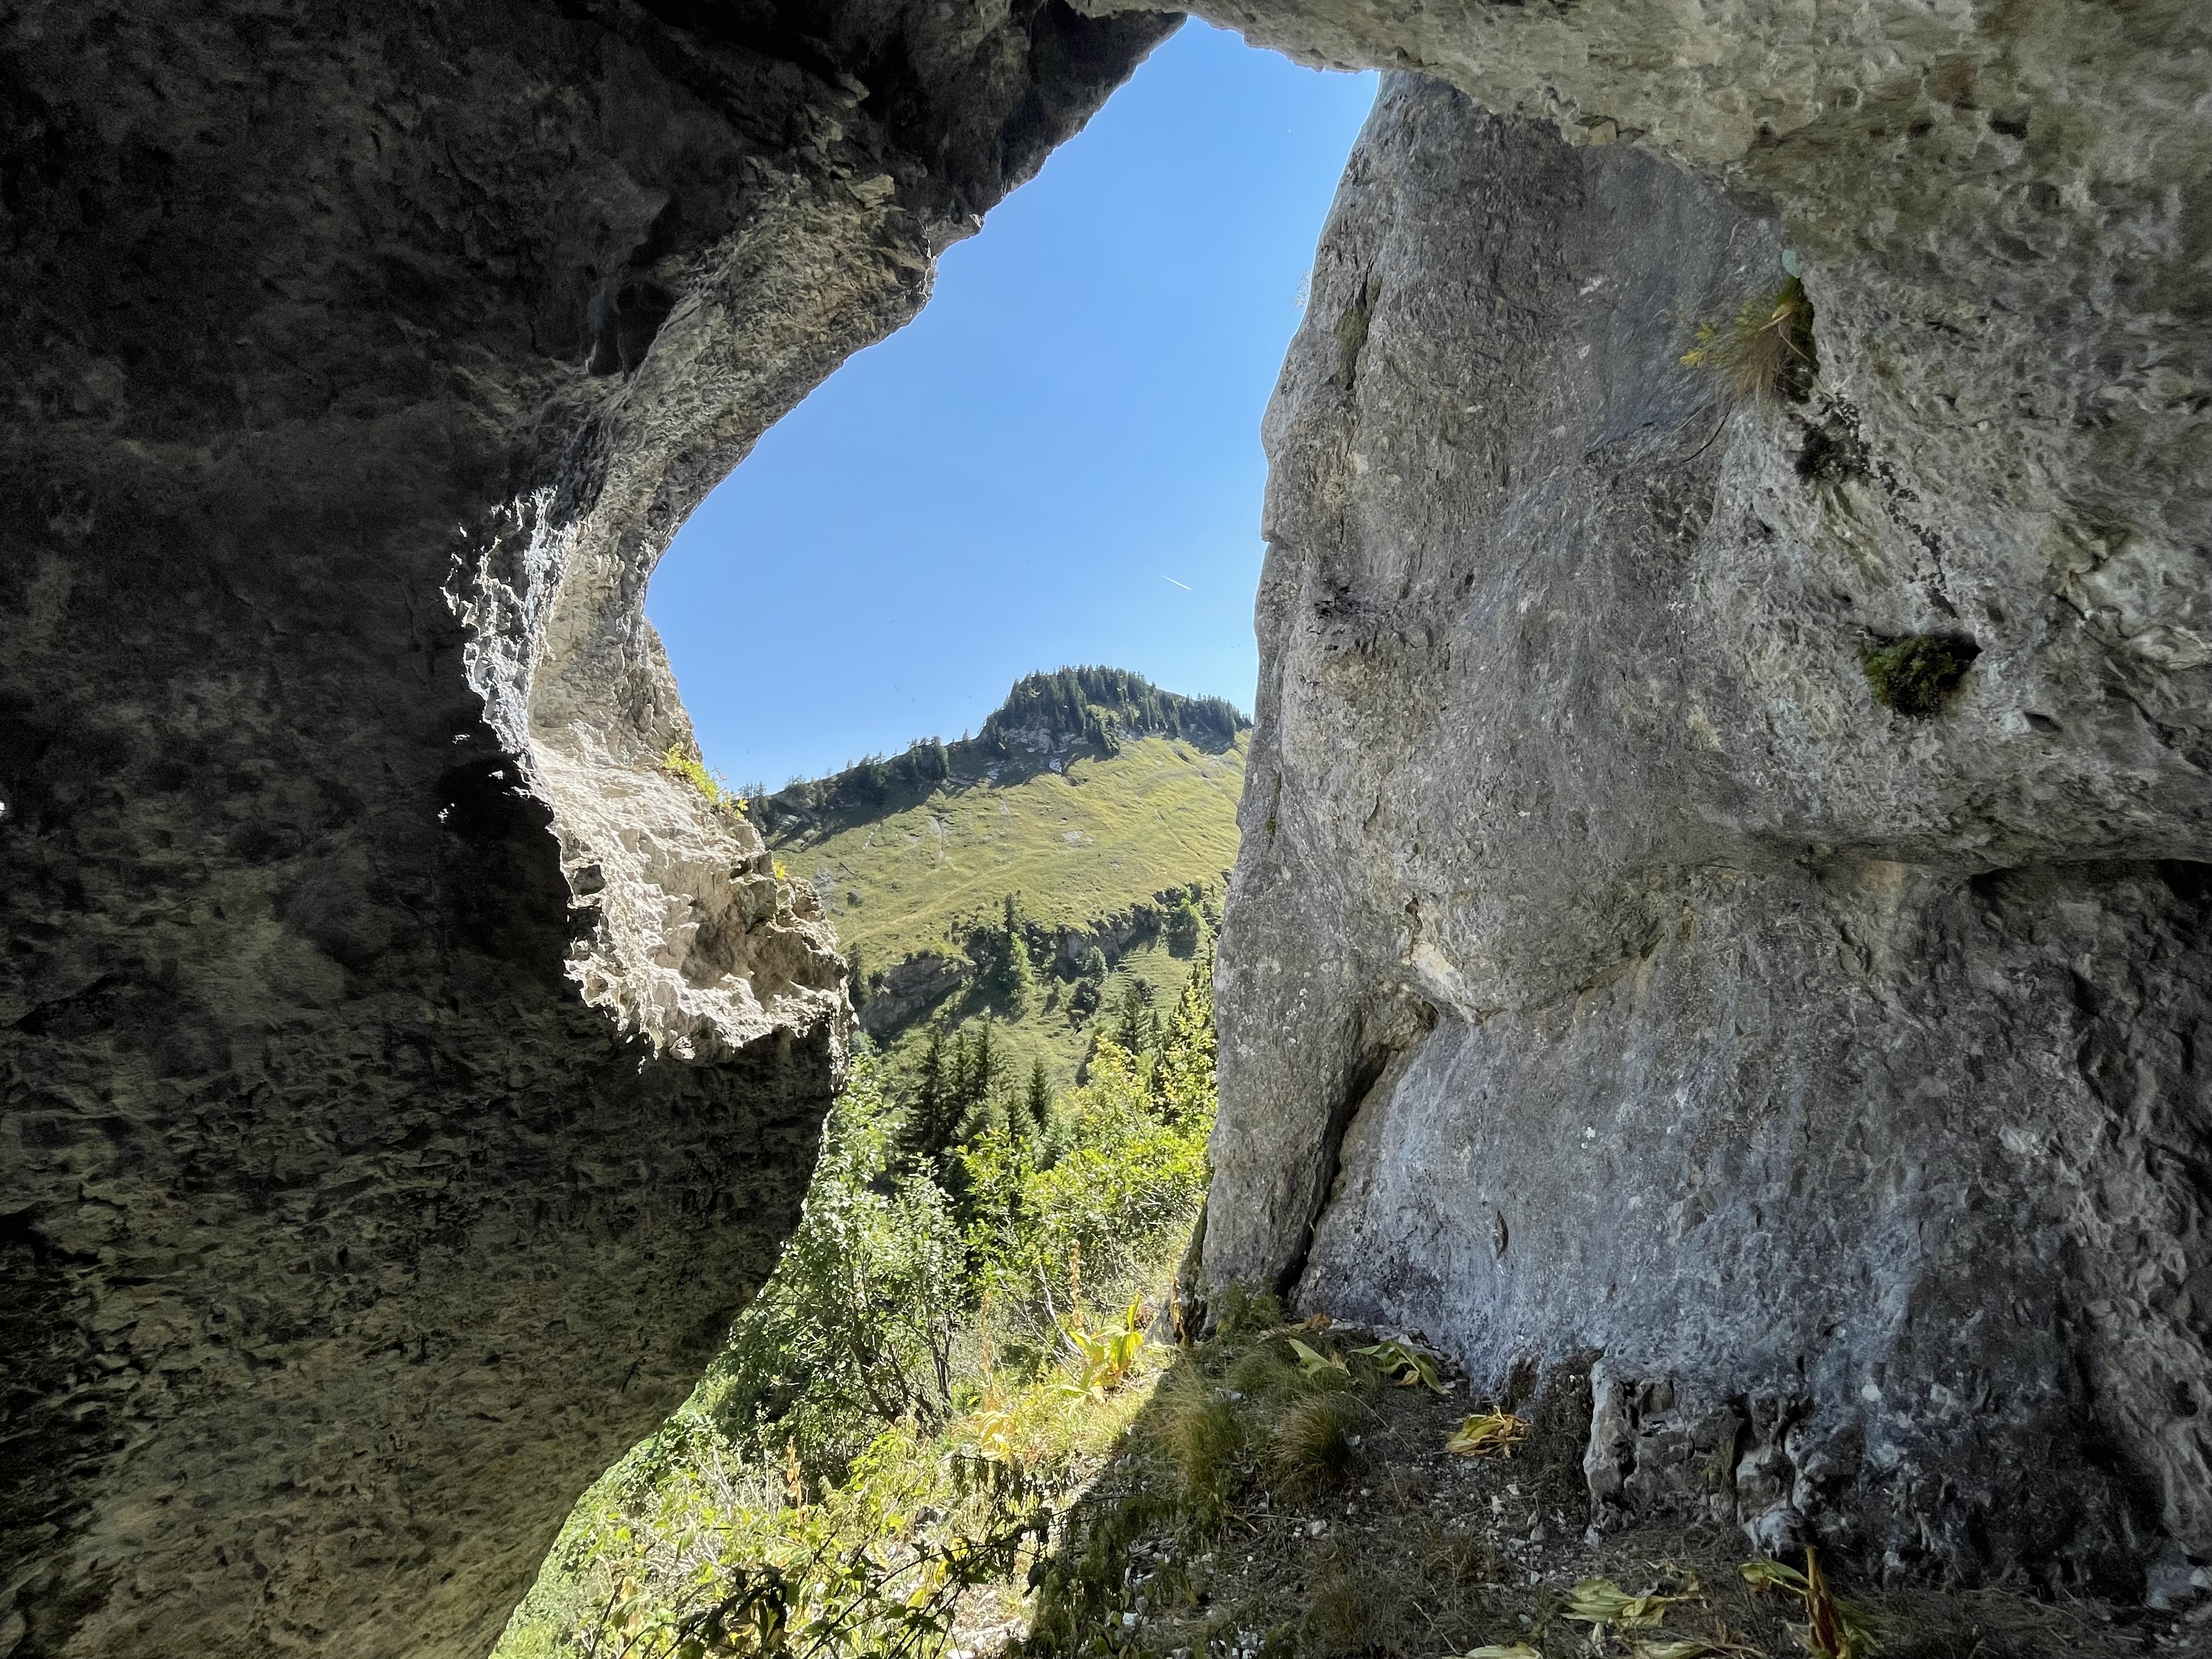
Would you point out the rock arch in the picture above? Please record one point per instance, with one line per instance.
(404, 1076)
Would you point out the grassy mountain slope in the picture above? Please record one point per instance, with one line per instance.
(1087, 797)
(1106, 832)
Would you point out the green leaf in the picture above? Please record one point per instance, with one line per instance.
(1768, 1575)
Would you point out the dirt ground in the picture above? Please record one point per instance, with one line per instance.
(1405, 1551)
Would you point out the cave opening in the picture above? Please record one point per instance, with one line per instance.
(414, 1069)
(1058, 461)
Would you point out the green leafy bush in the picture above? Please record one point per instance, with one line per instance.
(860, 1458)
(1123, 1187)
(859, 1325)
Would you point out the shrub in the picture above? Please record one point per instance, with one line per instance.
(1185, 926)
(1124, 1187)
(858, 1326)
(677, 763)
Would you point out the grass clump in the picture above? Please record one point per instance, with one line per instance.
(1343, 1614)
(1316, 1444)
(1765, 351)
(1913, 675)
(1202, 1435)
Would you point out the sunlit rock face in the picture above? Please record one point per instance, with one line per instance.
(1606, 971)
(406, 1077)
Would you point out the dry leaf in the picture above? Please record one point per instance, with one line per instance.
(1602, 1601)
(1488, 1434)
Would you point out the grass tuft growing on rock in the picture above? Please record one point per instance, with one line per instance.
(1915, 674)
(1765, 351)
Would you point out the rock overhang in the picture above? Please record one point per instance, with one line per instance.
(305, 294)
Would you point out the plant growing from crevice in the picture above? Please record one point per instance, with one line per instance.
(1913, 675)
(717, 794)
(1766, 351)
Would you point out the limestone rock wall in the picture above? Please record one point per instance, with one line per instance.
(404, 1078)
(1606, 970)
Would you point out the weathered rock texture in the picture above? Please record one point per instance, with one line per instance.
(1605, 970)
(404, 1078)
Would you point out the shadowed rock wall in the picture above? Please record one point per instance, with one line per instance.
(404, 1078)
(1606, 970)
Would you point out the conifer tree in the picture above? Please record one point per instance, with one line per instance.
(1038, 1106)
(1014, 981)
(1182, 1082)
(933, 1114)
(1137, 1026)
(981, 1068)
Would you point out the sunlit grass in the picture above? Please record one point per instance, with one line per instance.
(1109, 832)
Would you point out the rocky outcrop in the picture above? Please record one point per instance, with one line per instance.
(406, 1077)
(909, 988)
(1110, 935)
(1607, 970)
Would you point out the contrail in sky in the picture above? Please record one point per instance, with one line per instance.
(1186, 587)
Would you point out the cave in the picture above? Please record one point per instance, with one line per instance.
(408, 1077)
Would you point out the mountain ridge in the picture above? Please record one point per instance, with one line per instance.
(1042, 715)
(1092, 820)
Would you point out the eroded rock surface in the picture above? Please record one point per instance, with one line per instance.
(1606, 971)
(406, 1078)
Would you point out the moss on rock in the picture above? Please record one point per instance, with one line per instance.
(1914, 674)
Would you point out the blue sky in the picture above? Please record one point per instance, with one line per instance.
(1058, 462)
